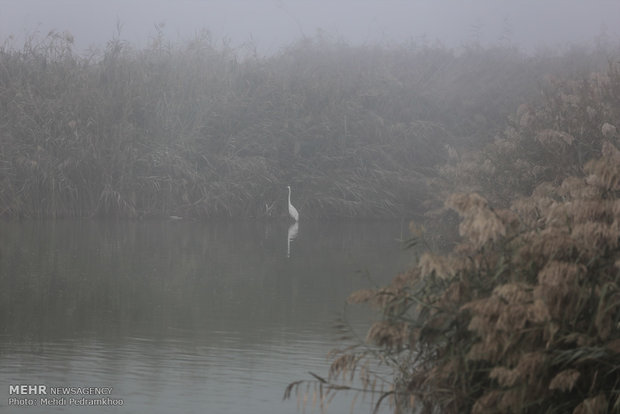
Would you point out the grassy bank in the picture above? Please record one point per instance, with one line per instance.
(199, 129)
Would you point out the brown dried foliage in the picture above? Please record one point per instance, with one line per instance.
(545, 141)
(522, 316)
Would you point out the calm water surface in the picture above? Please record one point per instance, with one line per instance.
(180, 316)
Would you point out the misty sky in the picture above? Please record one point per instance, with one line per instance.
(273, 23)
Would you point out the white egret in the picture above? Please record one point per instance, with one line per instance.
(292, 210)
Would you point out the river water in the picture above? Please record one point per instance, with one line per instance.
(179, 316)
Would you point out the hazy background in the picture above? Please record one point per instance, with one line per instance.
(273, 23)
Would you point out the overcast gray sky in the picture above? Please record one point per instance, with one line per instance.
(273, 23)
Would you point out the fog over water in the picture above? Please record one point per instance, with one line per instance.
(269, 24)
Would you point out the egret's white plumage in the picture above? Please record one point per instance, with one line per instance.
(292, 210)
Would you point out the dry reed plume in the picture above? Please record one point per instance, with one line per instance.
(523, 315)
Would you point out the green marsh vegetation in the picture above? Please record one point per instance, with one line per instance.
(200, 129)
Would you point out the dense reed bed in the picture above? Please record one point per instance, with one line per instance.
(200, 129)
(522, 315)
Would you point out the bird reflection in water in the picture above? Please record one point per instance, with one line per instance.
(294, 228)
(292, 233)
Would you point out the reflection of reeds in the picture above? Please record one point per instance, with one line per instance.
(197, 129)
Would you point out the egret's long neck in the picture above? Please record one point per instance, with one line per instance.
(289, 195)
